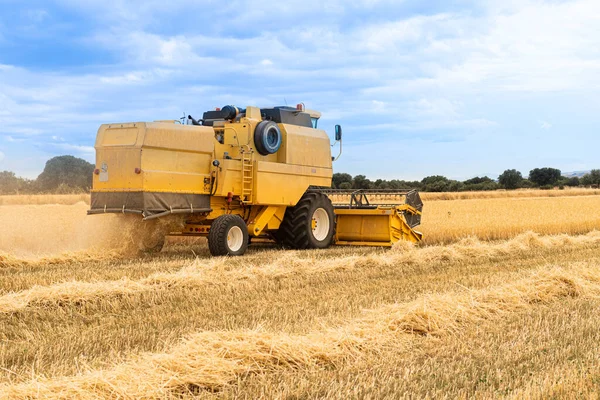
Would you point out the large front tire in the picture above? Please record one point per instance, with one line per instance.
(228, 236)
(308, 225)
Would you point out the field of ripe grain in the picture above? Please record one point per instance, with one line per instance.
(445, 221)
(486, 308)
(497, 194)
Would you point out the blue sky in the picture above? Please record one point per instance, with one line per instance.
(457, 88)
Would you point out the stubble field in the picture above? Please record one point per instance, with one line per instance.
(500, 301)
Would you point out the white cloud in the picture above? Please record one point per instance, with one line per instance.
(11, 139)
(516, 53)
(36, 15)
(2, 156)
(454, 74)
(77, 149)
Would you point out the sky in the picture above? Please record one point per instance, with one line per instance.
(457, 88)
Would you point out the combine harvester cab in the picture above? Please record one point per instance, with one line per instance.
(242, 173)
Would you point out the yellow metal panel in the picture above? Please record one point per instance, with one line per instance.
(194, 139)
(167, 181)
(171, 157)
(253, 113)
(382, 226)
(305, 146)
(176, 158)
(120, 136)
(363, 228)
(172, 161)
(277, 218)
(230, 178)
(271, 215)
(120, 164)
(284, 184)
(110, 135)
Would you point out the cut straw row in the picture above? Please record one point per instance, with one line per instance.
(210, 361)
(218, 270)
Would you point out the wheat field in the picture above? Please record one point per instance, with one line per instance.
(500, 301)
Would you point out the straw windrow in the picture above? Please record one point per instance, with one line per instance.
(213, 360)
(217, 270)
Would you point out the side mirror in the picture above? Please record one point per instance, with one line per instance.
(338, 133)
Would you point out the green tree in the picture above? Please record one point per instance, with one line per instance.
(591, 178)
(527, 184)
(338, 178)
(428, 180)
(511, 179)
(477, 180)
(544, 176)
(361, 182)
(66, 170)
(12, 184)
(573, 182)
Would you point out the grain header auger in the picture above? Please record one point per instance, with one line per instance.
(242, 173)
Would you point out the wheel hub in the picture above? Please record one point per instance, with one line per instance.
(235, 238)
(320, 224)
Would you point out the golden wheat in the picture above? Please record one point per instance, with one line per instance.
(211, 360)
(520, 193)
(492, 219)
(501, 301)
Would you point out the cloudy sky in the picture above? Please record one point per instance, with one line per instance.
(457, 88)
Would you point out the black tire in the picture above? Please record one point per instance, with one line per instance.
(296, 230)
(220, 236)
(267, 138)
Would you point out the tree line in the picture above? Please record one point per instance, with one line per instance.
(68, 174)
(543, 178)
(63, 174)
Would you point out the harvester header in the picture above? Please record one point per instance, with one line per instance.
(238, 173)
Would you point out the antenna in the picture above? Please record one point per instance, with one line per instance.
(285, 101)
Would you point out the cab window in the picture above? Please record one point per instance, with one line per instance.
(314, 122)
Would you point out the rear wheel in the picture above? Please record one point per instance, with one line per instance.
(308, 225)
(228, 235)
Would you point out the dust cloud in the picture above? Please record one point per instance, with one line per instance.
(31, 231)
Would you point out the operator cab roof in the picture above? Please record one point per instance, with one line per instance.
(280, 115)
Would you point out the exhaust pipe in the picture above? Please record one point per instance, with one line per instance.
(194, 120)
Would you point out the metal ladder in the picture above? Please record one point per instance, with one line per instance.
(247, 175)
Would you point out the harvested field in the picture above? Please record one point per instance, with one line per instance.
(501, 301)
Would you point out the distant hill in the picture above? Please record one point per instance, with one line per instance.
(578, 174)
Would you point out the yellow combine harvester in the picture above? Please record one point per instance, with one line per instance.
(241, 173)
